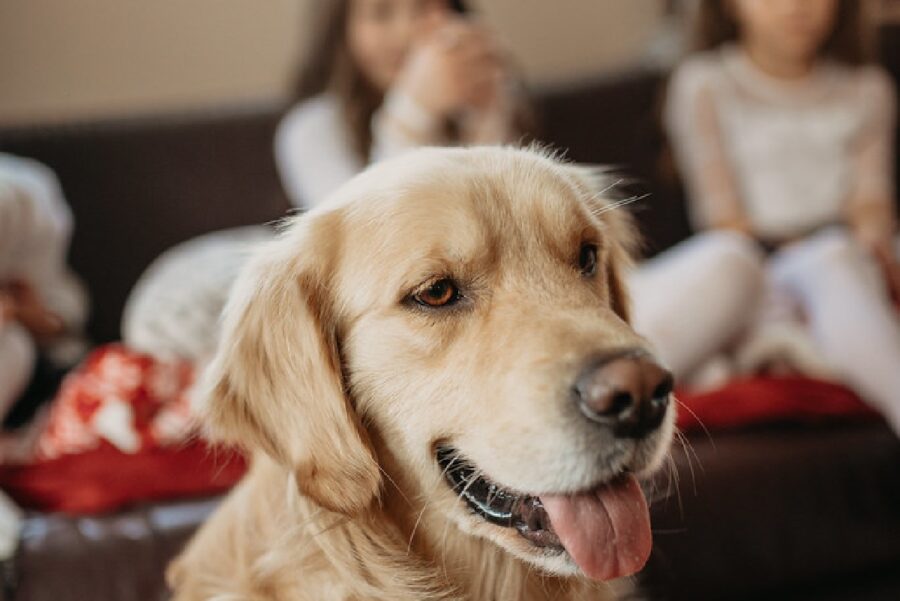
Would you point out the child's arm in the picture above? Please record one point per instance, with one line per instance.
(403, 123)
(313, 152)
(7, 308)
(870, 207)
(697, 139)
(505, 119)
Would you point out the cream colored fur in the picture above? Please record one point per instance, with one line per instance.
(342, 387)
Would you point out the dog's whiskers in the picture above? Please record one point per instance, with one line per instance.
(426, 503)
(443, 547)
(699, 421)
(446, 530)
(689, 448)
(620, 203)
(599, 194)
(476, 474)
(396, 486)
(674, 479)
(415, 527)
(690, 456)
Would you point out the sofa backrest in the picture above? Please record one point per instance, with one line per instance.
(139, 186)
(615, 121)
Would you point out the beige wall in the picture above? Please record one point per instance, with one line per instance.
(557, 40)
(80, 59)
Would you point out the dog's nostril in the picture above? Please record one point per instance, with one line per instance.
(612, 388)
(663, 390)
(621, 402)
(655, 410)
(602, 402)
(628, 392)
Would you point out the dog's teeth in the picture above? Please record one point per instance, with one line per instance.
(492, 494)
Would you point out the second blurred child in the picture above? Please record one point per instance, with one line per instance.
(386, 76)
(785, 135)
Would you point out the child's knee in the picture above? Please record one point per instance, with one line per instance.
(829, 260)
(833, 246)
(735, 257)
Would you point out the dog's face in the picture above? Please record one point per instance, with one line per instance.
(466, 308)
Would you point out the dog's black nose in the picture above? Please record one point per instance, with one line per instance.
(629, 392)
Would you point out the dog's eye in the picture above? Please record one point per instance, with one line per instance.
(587, 259)
(439, 293)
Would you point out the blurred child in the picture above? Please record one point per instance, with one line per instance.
(386, 76)
(42, 305)
(784, 133)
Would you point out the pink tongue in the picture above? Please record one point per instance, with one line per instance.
(606, 531)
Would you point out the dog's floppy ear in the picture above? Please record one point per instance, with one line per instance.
(597, 185)
(276, 381)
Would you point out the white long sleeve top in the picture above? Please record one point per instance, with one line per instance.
(314, 151)
(789, 153)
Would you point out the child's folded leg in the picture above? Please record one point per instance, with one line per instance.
(694, 299)
(849, 312)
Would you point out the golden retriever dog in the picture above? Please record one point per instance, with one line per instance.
(444, 399)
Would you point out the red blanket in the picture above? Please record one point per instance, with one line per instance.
(760, 400)
(105, 479)
(120, 431)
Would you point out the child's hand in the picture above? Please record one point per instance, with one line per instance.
(456, 66)
(23, 305)
(890, 267)
(737, 223)
(7, 308)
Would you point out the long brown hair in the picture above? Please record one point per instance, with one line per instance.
(850, 42)
(331, 68)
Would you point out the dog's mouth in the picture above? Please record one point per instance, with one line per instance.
(605, 529)
(496, 504)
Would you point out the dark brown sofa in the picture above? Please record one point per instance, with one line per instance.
(779, 512)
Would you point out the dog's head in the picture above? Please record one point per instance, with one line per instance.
(467, 308)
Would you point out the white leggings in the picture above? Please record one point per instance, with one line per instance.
(696, 298)
(843, 297)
